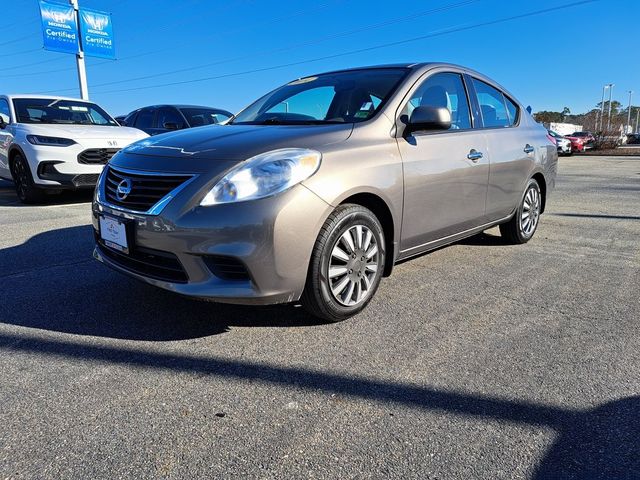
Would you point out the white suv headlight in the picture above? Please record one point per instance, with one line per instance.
(49, 141)
(264, 175)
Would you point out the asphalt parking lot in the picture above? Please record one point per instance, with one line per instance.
(479, 360)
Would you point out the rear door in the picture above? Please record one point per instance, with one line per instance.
(445, 172)
(510, 146)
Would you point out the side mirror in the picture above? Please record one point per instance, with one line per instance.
(170, 125)
(429, 118)
(3, 123)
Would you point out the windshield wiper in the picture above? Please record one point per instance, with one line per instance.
(277, 121)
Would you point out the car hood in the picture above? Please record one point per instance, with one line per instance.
(195, 149)
(80, 132)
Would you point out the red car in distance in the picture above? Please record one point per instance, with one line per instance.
(577, 143)
(581, 141)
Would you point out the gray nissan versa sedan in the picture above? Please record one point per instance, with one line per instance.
(316, 190)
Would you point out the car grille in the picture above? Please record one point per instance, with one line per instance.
(97, 156)
(146, 189)
(226, 268)
(146, 262)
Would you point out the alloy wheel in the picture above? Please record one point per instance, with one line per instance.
(353, 265)
(530, 211)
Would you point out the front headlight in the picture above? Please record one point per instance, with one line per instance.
(264, 175)
(49, 141)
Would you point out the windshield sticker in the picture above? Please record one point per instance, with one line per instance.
(300, 81)
(366, 106)
(76, 108)
(361, 114)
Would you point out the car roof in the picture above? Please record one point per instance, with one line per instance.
(180, 106)
(47, 97)
(407, 65)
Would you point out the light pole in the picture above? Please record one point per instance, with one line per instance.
(629, 112)
(638, 120)
(611, 85)
(604, 88)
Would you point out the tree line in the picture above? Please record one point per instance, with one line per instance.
(590, 119)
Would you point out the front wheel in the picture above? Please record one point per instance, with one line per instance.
(523, 224)
(346, 264)
(26, 189)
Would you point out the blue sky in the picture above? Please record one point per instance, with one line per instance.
(548, 61)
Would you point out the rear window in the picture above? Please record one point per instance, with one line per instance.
(145, 119)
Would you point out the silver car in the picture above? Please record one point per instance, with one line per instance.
(563, 144)
(317, 189)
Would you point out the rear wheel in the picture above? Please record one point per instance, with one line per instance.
(523, 224)
(26, 189)
(346, 264)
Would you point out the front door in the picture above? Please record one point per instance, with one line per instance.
(445, 172)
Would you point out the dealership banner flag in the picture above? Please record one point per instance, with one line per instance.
(97, 33)
(59, 27)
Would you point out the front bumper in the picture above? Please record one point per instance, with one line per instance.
(271, 238)
(60, 168)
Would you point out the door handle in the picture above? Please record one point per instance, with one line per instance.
(474, 155)
(528, 148)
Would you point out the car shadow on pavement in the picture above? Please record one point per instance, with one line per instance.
(8, 197)
(599, 443)
(52, 282)
(484, 239)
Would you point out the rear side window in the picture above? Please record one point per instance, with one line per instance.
(512, 109)
(144, 119)
(492, 105)
(443, 90)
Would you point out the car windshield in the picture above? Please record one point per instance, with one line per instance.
(580, 134)
(197, 117)
(341, 97)
(47, 110)
(554, 134)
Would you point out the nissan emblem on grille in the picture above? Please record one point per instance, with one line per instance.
(124, 189)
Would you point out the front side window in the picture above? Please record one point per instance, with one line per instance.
(197, 117)
(443, 90)
(492, 105)
(341, 97)
(48, 111)
(4, 111)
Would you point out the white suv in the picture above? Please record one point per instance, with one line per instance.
(48, 144)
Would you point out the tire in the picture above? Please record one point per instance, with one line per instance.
(26, 189)
(356, 266)
(519, 229)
